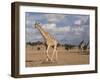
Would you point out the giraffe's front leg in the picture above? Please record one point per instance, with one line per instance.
(47, 54)
(81, 51)
(54, 53)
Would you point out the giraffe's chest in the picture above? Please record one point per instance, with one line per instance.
(51, 42)
(49, 39)
(82, 45)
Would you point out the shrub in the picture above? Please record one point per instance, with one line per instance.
(38, 48)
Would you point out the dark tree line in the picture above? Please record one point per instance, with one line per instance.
(66, 46)
(34, 43)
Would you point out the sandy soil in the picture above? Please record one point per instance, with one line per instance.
(35, 56)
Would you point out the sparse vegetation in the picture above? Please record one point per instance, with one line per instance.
(68, 46)
(40, 45)
(38, 48)
(34, 43)
(35, 55)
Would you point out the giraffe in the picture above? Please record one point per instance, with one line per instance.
(81, 46)
(50, 41)
(86, 45)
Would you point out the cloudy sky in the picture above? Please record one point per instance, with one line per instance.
(66, 28)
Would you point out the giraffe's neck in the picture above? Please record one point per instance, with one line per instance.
(43, 33)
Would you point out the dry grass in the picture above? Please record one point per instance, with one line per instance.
(35, 56)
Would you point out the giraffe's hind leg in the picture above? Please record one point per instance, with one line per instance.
(47, 54)
(56, 55)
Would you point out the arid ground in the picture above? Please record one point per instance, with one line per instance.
(35, 56)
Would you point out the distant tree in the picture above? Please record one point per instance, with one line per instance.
(68, 46)
(38, 48)
(34, 43)
(59, 44)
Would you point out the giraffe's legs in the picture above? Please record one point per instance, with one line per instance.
(81, 50)
(47, 54)
(54, 53)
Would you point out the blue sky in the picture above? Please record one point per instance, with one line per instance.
(66, 28)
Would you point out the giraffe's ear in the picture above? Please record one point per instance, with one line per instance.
(36, 23)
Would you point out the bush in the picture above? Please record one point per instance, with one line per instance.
(38, 48)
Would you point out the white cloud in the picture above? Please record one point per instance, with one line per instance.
(77, 29)
(54, 17)
(32, 35)
(49, 26)
(78, 22)
(54, 28)
(64, 29)
(77, 33)
(83, 19)
(29, 20)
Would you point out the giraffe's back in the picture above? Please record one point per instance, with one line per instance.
(51, 40)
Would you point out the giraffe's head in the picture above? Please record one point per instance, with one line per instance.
(37, 24)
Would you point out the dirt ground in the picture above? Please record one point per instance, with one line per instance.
(35, 56)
